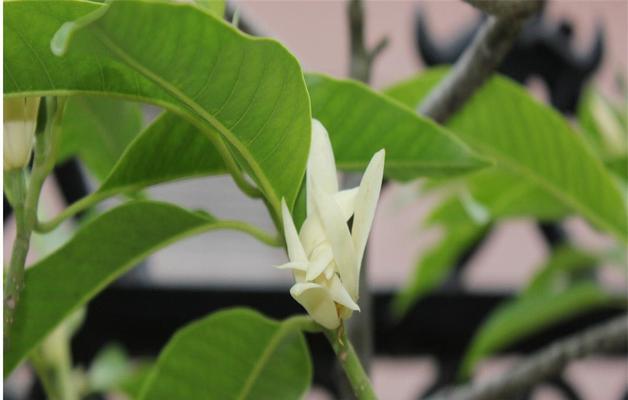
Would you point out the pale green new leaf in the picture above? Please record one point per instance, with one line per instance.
(533, 142)
(100, 251)
(97, 130)
(246, 94)
(233, 354)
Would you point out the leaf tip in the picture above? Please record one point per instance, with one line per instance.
(60, 40)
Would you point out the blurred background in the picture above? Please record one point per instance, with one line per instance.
(317, 33)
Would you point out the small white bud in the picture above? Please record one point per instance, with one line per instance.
(20, 120)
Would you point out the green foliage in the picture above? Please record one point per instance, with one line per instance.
(232, 354)
(217, 7)
(464, 215)
(238, 104)
(155, 156)
(565, 266)
(619, 166)
(556, 293)
(501, 196)
(531, 142)
(604, 124)
(98, 253)
(247, 95)
(97, 130)
(169, 149)
(361, 122)
(434, 267)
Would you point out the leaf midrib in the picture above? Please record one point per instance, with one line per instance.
(270, 348)
(198, 109)
(568, 198)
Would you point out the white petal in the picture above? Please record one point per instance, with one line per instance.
(339, 237)
(298, 265)
(330, 270)
(321, 165)
(340, 294)
(295, 248)
(317, 301)
(366, 203)
(346, 201)
(312, 234)
(299, 276)
(321, 258)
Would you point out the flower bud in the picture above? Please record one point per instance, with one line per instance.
(20, 120)
(326, 256)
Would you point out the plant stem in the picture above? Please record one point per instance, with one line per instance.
(478, 62)
(361, 61)
(26, 209)
(275, 241)
(70, 211)
(361, 64)
(350, 363)
(16, 188)
(547, 362)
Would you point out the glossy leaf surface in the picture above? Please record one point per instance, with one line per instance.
(533, 142)
(99, 252)
(232, 354)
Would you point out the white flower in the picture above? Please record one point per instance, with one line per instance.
(20, 119)
(325, 256)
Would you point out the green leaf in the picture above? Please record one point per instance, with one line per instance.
(216, 7)
(603, 125)
(132, 385)
(155, 156)
(532, 141)
(486, 196)
(561, 270)
(502, 195)
(361, 122)
(169, 149)
(97, 130)
(619, 166)
(434, 267)
(100, 251)
(530, 314)
(232, 354)
(246, 94)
